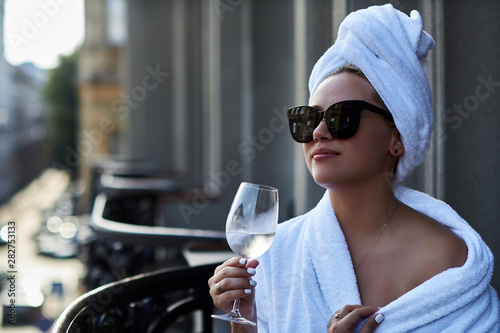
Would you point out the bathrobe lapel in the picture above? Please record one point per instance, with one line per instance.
(330, 259)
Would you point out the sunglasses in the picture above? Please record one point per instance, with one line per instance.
(342, 119)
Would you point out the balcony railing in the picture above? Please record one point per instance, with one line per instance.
(142, 276)
(128, 236)
(168, 300)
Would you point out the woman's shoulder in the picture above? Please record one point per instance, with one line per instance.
(432, 246)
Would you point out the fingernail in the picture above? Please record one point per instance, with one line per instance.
(253, 283)
(379, 318)
(248, 291)
(251, 271)
(243, 261)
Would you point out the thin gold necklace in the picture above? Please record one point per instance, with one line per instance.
(378, 236)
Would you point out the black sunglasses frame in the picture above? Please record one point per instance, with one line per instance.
(342, 119)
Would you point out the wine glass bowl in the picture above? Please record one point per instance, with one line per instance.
(250, 228)
(252, 220)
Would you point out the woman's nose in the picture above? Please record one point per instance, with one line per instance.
(321, 132)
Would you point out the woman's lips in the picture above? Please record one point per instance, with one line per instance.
(322, 153)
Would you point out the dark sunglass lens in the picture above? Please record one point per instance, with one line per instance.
(349, 116)
(331, 118)
(301, 123)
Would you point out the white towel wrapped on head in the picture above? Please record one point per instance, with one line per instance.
(390, 48)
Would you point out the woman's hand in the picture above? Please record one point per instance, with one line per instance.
(347, 318)
(233, 280)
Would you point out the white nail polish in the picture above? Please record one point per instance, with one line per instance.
(253, 283)
(248, 291)
(243, 261)
(379, 318)
(251, 271)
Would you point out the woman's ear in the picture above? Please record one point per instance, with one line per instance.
(397, 147)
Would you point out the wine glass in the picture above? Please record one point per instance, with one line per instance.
(250, 229)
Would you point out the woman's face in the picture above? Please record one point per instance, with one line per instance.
(361, 158)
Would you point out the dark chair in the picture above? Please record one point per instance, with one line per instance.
(168, 300)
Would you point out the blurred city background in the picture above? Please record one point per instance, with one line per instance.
(151, 113)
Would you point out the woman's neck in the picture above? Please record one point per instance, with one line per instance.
(363, 210)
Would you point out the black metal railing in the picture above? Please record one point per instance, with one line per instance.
(127, 236)
(168, 300)
(141, 275)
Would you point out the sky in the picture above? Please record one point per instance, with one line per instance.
(39, 31)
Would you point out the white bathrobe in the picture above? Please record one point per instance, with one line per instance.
(307, 275)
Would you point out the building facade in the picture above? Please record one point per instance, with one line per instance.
(100, 67)
(23, 149)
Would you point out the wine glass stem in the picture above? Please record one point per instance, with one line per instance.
(236, 307)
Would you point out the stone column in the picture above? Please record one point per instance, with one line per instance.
(472, 137)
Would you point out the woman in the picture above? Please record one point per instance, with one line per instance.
(372, 254)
